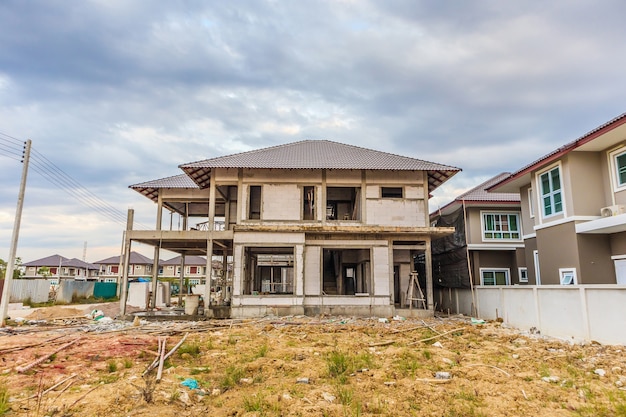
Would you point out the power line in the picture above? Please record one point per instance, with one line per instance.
(13, 148)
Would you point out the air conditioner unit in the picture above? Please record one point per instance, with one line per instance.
(612, 210)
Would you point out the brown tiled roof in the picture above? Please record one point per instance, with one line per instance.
(557, 153)
(480, 195)
(150, 188)
(319, 154)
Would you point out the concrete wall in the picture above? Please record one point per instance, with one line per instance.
(69, 289)
(583, 312)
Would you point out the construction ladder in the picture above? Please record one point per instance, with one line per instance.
(412, 295)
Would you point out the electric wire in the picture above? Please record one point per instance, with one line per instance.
(13, 148)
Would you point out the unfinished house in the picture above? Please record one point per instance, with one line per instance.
(574, 209)
(311, 227)
(487, 247)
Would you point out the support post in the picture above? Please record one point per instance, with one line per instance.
(127, 248)
(209, 274)
(8, 276)
(429, 276)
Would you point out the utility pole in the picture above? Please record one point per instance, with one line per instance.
(8, 278)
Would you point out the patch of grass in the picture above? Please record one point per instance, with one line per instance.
(232, 340)
(128, 363)
(408, 363)
(112, 366)
(192, 349)
(4, 400)
(200, 370)
(231, 377)
(337, 363)
(209, 344)
(254, 403)
(427, 354)
(344, 395)
(543, 370)
(262, 352)
(174, 395)
(109, 379)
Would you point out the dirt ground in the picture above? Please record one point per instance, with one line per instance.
(298, 366)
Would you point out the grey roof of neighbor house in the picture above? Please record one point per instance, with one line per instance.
(480, 195)
(135, 259)
(319, 154)
(56, 260)
(522, 175)
(189, 260)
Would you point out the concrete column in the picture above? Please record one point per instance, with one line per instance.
(155, 276)
(212, 204)
(181, 279)
(127, 249)
(429, 276)
(209, 273)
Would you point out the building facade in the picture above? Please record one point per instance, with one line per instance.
(487, 247)
(311, 227)
(573, 207)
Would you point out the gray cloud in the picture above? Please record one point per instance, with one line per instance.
(119, 92)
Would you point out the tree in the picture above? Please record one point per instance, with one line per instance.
(44, 271)
(17, 272)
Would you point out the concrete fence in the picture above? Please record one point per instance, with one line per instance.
(69, 289)
(576, 312)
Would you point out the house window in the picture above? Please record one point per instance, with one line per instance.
(109, 280)
(254, 205)
(531, 203)
(552, 199)
(148, 269)
(494, 277)
(620, 168)
(568, 276)
(194, 281)
(391, 192)
(160, 270)
(523, 274)
(343, 203)
(501, 226)
(308, 203)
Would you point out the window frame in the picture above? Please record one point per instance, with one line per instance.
(531, 205)
(564, 273)
(507, 272)
(552, 193)
(252, 213)
(615, 177)
(483, 225)
(523, 271)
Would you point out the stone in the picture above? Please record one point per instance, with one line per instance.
(600, 372)
(443, 375)
(551, 379)
(328, 397)
(302, 380)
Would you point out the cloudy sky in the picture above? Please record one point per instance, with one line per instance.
(113, 93)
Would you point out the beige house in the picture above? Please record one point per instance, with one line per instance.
(59, 267)
(574, 209)
(487, 247)
(311, 227)
(139, 266)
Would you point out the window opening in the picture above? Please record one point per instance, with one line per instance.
(255, 202)
(391, 192)
(346, 271)
(343, 203)
(269, 271)
(308, 206)
(523, 275)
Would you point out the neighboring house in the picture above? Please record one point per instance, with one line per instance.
(139, 266)
(311, 227)
(487, 247)
(574, 209)
(60, 267)
(194, 266)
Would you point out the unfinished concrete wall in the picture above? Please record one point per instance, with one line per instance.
(313, 270)
(281, 202)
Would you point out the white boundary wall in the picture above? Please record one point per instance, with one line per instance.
(576, 312)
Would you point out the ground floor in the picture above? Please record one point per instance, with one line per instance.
(311, 273)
